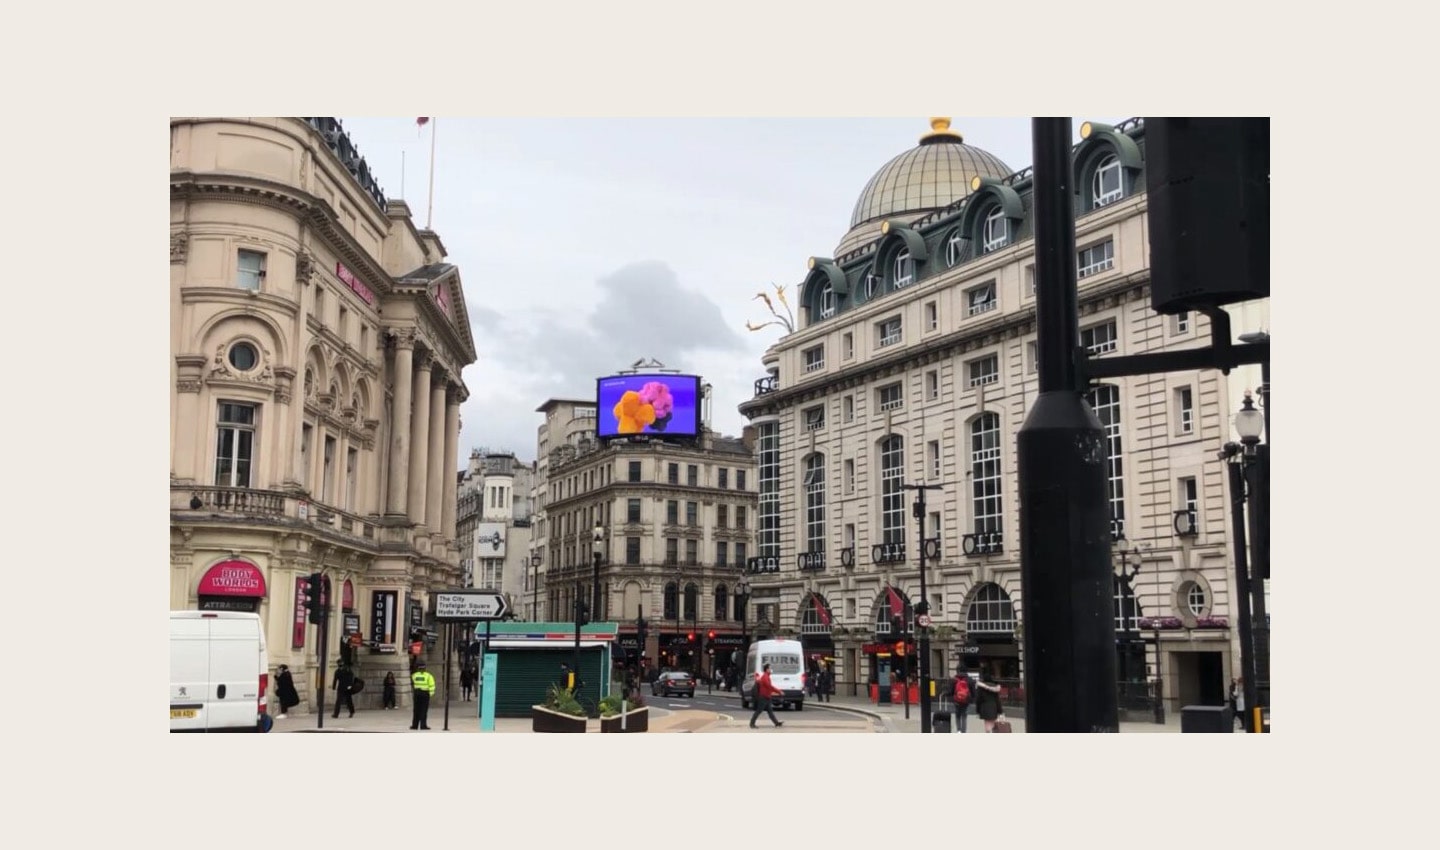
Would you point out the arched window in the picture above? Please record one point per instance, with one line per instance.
(986, 503)
(692, 602)
(892, 498)
(814, 616)
(904, 269)
(1106, 187)
(1127, 608)
(990, 611)
(815, 503)
(997, 230)
(885, 611)
(720, 602)
(872, 285)
(954, 247)
(672, 601)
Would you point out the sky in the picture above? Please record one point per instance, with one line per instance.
(586, 244)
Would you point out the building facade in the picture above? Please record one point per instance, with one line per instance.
(493, 524)
(914, 361)
(317, 341)
(673, 523)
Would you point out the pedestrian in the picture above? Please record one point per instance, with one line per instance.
(343, 686)
(964, 694)
(764, 689)
(388, 691)
(987, 699)
(285, 691)
(466, 681)
(424, 687)
(1237, 700)
(824, 682)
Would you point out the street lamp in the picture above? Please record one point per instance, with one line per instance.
(535, 584)
(922, 610)
(742, 596)
(597, 551)
(1129, 609)
(1249, 465)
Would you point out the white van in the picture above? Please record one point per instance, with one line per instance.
(219, 672)
(787, 672)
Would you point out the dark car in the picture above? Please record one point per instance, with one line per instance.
(682, 684)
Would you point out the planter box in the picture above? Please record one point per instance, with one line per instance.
(636, 720)
(544, 720)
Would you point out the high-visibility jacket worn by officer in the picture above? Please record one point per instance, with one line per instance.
(423, 681)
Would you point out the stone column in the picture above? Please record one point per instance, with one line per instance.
(395, 504)
(419, 439)
(452, 447)
(439, 475)
(187, 457)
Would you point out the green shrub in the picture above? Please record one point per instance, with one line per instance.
(559, 699)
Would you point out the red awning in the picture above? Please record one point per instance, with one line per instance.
(232, 578)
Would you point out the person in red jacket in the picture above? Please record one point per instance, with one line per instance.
(764, 690)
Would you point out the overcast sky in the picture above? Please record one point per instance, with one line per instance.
(587, 244)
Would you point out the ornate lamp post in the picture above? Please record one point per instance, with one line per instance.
(742, 597)
(1249, 471)
(534, 584)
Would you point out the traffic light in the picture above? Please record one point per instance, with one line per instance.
(582, 612)
(690, 638)
(900, 648)
(710, 635)
(641, 631)
(314, 597)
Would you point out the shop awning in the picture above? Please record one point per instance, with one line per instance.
(232, 578)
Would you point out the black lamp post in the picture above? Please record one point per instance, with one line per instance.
(1249, 465)
(922, 610)
(742, 596)
(534, 585)
(597, 553)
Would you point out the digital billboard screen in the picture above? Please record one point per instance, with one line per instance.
(648, 405)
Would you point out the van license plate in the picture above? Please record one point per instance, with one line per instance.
(181, 712)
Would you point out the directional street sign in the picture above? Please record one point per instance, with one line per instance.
(469, 605)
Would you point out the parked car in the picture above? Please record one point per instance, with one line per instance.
(682, 684)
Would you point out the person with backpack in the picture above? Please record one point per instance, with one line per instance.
(964, 694)
(764, 690)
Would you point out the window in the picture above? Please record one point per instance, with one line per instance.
(848, 345)
(672, 551)
(672, 601)
(634, 470)
(692, 515)
(722, 516)
(889, 331)
(890, 397)
(720, 597)
(722, 553)
(674, 473)
(1185, 409)
(1190, 499)
(1105, 400)
(632, 510)
(985, 370)
(739, 554)
(814, 358)
(892, 497)
(815, 418)
(1182, 323)
(1099, 339)
(872, 285)
(904, 269)
(847, 408)
(1032, 357)
(849, 475)
(739, 479)
(364, 340)
(980, 299)
(234, 444)
(932, 454)
(1096, 259)
(724, 478)
(1195, 599)
(327, 471)
(692, 552)
(954, 248)
(985, 494)
(319, 303)
(815, 503)
(739, 516)
(932, 384)
(827, 302)
(632, 550)
(991, 611)
(243, 356)
(997, 230)
(672, 512)
(1106, 186)
(932, 316)
(692, 475)
(352, 467)
(1030, 281)
(250, 270)
(343, 325)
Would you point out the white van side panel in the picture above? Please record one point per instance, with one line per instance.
(217, 662)
(189, 671)
(793, 683)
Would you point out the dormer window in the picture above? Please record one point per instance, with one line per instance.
(997, 230)
(827, 302)
(904, 269)
(954, 247)
(872, 285)
(1106, 187)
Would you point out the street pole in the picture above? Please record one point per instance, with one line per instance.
(1066, 583)
(923, 609)
(1242, 587)
(1257, 473)
(575, 672)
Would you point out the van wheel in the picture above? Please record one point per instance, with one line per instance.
(800, 706)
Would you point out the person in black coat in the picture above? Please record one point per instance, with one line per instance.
(987, 699)
(344, 682)
(285, 691)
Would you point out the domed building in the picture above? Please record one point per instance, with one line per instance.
(914, 360)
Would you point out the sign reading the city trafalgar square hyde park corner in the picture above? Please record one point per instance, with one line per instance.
(470, 606)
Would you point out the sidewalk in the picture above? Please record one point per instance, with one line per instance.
(464, 718)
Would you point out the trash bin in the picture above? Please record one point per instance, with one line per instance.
(1206, 718)
(940, 722)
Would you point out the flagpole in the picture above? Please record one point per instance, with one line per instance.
(430, 196)
(402, 175)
